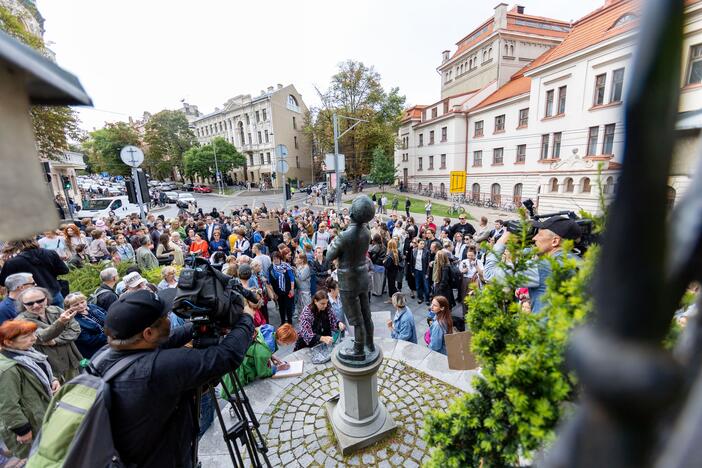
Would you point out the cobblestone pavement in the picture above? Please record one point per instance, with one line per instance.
(299, 435)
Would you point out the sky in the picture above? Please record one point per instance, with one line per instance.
(147, 55)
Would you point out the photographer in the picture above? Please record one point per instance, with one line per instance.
(153, 405)
(549, 242)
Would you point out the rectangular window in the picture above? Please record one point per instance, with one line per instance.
(556, 145)
(262, 160)
(523, 118)
(478, 132)
(251, 159)
(477, 158)
(265, 116)
(266, 135)
(521, 154)
(260, 139)
(694, 75)
(444, 132)
(443, 161)
(258, 116)
(431, 163)
(434, 113)
(592, 140)
(419, 163)
(294, 123)
(248, 120)
(446, 104)
(561, 99)
(600, 82)
(549, 103)
(295, 140)
(608, 142)
(268, 158)
(431, 137)
(497, 155)
(249, 139)
(500, 123)
(421, 139)
(617, 85)
(544, 146)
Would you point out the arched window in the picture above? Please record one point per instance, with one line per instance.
(609, 186)
(495, 193)
(517, 194)
(442, 187)
(622, 20)
(670, 194)
(553, 185)
(292, 103)
(430, 187)
(475, 192)
(419, 187)
(569, 185)
(585, 186)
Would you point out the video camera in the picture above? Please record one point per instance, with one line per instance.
(587, 238)
(209, 298)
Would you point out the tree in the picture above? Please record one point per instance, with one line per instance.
(200, 160)
(355, 91)
(383, 169)
(103, 147)
(53, 126)
(167, 136)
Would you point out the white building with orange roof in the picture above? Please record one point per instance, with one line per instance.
(433, 137)
(560, 119)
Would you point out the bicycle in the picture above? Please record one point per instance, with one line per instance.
(456, 209)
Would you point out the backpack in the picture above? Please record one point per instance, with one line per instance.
(96, 295)
(76, 430)
(456, 276)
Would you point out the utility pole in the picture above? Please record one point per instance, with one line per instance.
(218, 176)
(336, 153)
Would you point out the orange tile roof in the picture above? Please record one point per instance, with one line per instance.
(592, 29)
(519, 84)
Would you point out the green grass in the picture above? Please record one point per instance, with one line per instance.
(438, 210)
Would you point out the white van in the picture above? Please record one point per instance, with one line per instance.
(105, 207)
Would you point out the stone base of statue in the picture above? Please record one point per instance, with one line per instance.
(357, 417)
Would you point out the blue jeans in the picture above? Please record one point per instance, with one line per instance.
(421, 285)
(58, 300)
(207, 411)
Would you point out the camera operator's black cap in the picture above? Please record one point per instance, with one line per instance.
(561, 226)
(133, 312)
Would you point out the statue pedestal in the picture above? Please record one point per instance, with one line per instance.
(357, 417)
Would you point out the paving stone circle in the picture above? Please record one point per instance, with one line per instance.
(298, 434)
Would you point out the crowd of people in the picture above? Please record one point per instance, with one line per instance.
(47, 332)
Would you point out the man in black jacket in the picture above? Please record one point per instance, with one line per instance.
(153, 400)
(463, 226)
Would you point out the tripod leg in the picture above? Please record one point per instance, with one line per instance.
(231, 447)
(249, 415)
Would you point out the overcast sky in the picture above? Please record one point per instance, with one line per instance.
(135, 56)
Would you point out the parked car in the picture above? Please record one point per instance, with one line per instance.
(187, 187)
(186, 197)
(202, 189)
(167, 186)
(104, 207)
(171, 197)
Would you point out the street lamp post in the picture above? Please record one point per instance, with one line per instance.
(336, 152)
(218, 176)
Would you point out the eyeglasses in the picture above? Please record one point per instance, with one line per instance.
(461, 219)
(32, 303)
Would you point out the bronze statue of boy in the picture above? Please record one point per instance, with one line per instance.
(350, 248)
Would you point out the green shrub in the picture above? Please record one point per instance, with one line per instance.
(519, 396)
(87, 279)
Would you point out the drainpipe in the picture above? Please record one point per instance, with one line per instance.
(465, 167)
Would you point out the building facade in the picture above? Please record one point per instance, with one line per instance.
(553, 130)
(65, 165)
(255, 126)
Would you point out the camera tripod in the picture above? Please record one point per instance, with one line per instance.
(245, 430)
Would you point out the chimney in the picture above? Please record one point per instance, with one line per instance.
(501, 16)
(444, 56)
(520, 9)
(280, 86)
(270, 89)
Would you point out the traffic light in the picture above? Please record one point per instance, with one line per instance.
(131, 191)
(288, 194)
(66, 182)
